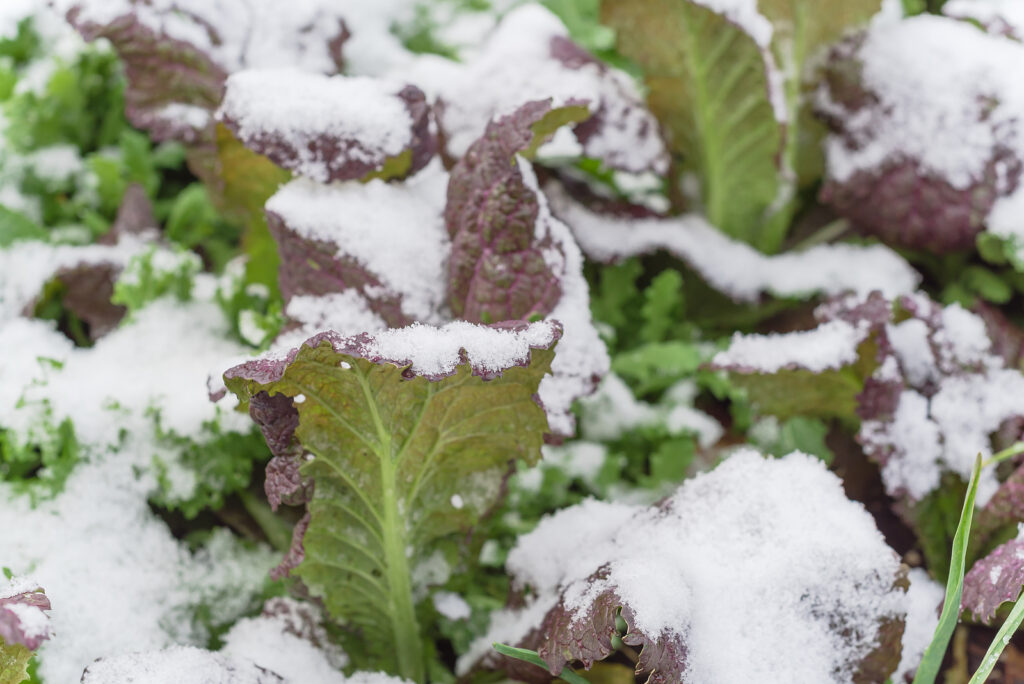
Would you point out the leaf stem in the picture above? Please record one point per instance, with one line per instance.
(532, 657)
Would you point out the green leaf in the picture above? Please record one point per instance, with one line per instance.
(15, 226)
(399, 464)
(931, 662)
(792, 392)
(654, 367)
(807, 435)
(708, 84)
(663, 306)
(528, 656)
(248, 180)
(999, 643)
(13, 663)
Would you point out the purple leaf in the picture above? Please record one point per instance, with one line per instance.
(177, 53)
(330, 128)
(22, 620)
(993, 580)
(378, 247)
(499, 267)
(923, 160)
(512, 259)
(530, 57)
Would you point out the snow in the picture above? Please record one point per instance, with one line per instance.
(830, 346)
(451, 605)
(775, 541)
(1001, 17)
(953, 121)
(613, 410)
(31, 619)
(516, 66)
(57, 163)
(913, 349)
(924, 601)
(581, 356)
(395, 231)
(732, 267)
(175, 665)
(279, 644)
(917, 442)
(118, 580)
(346, 312)
(301, 109)
(247, 33)
(437, 351)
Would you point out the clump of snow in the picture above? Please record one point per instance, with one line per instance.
(346, 312)
(57, 163)
(437, 351)
(394, 230)
(613, 410)
(924, 602)
(776, 541)
(177, 664)
(830, 346)
(1000, 17)
(299, 108)
(581, 355)
(735, 268)
(277, 641)
(451, 605)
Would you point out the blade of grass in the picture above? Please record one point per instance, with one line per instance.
(1002, 638)
(931, 662)
(1009, 452)
(528, 656)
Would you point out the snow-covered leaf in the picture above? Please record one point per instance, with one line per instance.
(330, 128)
(924, 158)
(993, 580)
(531, 57)
(729, 266)
(820, 592)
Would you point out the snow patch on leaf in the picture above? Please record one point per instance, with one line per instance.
(733, 267)
(386, 241)
(994, 580)
(328, 128)
(530, 57)
(22, 617)
(923, 158)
